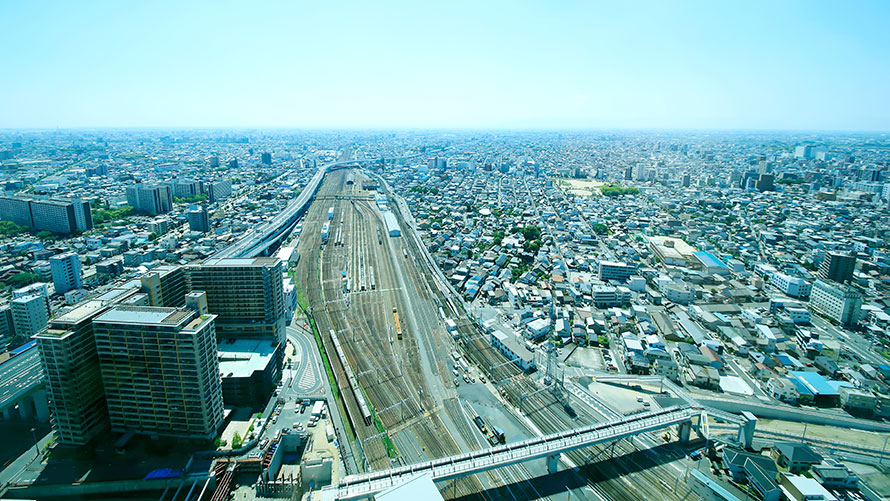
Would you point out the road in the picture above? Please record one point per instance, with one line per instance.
(20, 375)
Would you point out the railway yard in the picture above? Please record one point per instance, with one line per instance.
(379, 306)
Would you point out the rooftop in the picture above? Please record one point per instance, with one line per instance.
(241, 261)
(145, 315)
(80, 312)
(243, 357)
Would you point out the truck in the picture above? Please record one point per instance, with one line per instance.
(317, 407)
(451, 325)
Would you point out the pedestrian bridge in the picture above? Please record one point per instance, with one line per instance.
(548, 446)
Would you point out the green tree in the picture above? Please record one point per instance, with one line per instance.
(237, 441)
(600, 229)
(531, 233)
(44, 235)
(153, 236)
(531, 246)
(22, 279)
(10, 229)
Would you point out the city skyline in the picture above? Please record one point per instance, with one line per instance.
(803, 66)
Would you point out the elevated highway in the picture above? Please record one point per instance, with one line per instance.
(22, 395)
(258, 241)
(263, 240)
(547, 446)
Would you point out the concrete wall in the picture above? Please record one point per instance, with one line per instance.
(802, 415)
(95, 488)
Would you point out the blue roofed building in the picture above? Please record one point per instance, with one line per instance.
(816, 388)
(710, 263)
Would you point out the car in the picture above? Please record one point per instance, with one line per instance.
(302, 409)
(456, 382)
(481, 378)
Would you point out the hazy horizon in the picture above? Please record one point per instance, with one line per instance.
(807, 67)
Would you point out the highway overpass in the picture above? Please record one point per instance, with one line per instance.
(547, 446)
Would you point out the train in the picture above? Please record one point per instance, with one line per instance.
(330, 213)
(373, 282)
(395, 315)
(352, 380)
(325, 231)
(379, 236)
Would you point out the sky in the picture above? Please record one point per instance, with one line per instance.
(771, 65)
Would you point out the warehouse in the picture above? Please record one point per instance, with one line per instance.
(392, 225)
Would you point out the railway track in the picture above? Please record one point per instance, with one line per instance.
(386, 371)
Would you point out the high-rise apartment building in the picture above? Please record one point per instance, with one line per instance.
(66, 271)
(246, 294)
(218, 190)
(160, 371)
(29, 314)
(837, 267)
(165, 286)
(7, 328)
(266, 158)
(186, 188)
(198, 219)
(150, 199)
(73, 377)
(55, 215)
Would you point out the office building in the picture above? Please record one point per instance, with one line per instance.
(66, 271)
(150, 199)
(791, 286)
(159, 226)
(73, 377)
(246, 294)
(213, 161)
(54, 215)
(837, 302)
(620, 272)
(160, 371)
(266, 158)
(218, 190)
(765, 182)
(29, 314)
(198, 219)
(837, 267)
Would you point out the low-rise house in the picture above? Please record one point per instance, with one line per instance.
(795, 457)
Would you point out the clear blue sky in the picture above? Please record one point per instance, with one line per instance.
(779, 64)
